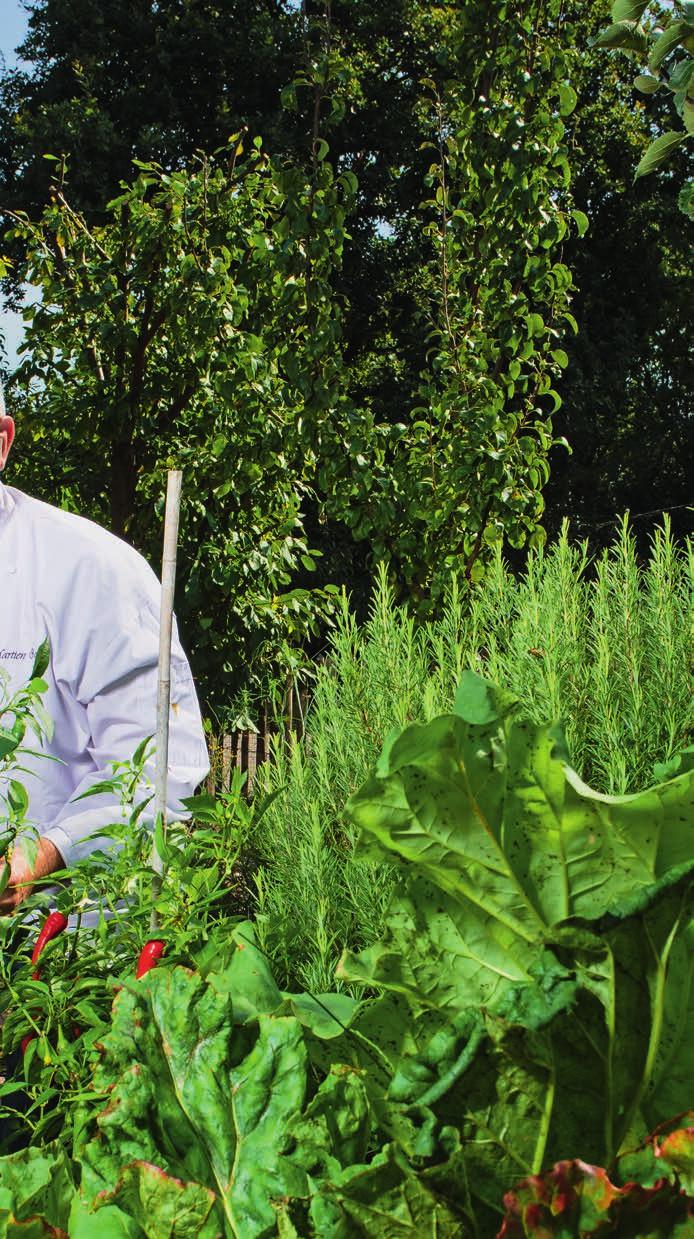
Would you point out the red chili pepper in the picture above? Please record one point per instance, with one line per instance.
(150, 953)
(53, 925)
(26, 1040)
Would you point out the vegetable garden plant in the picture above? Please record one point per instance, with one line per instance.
(529, 1005)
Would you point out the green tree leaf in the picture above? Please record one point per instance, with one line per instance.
(567, 99)
(685, 200)
(647, 84)
(659, 150)
(626, 34)
(674, 34)
(628, 10)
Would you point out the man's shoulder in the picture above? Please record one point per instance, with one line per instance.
(74, 540)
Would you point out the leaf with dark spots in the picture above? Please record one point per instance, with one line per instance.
(36, 1192)
(216, 1125)
(163, 1206)
(558, 918)
(384, 1200)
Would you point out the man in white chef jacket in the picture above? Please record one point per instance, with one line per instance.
(97, 601)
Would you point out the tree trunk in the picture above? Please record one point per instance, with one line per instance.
(123, 487)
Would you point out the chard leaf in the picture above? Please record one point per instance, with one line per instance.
(676, 1151)
(549, 922)
(245, 976)
(668, 1152)
(491, 814)
(453, 959)
(112, 1223)
(333, 1133)
(426, 1052)
(161, 1206)
(191, 1098)
(575, 1198)
(385, 1200)
(36, 1192)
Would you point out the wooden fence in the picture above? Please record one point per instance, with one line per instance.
(246, 750)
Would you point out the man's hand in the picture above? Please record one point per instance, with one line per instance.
(48, 859)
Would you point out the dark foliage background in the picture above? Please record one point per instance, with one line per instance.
(135, 79)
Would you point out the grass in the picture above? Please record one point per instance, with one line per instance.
(606, 646)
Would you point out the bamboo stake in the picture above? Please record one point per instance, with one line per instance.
(168, 585)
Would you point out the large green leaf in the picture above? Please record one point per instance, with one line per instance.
(162, 1207)
(658, 151)
(542, 930)
(38, 1198)
(674, 34)
(628, 10)
(207, 1131)
(454, 958)
(190, 1097)
(626, 34)
(112, 1222)
(647, 84)
(505, 849)
(243, 973)
(591, 1081)
(622, 1059)
(333, 1133)
(384, 1200)
(425, 1052)
(36, 1192)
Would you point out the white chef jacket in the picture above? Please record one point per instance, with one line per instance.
(97, 602)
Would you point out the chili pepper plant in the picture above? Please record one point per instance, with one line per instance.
(53, 1016)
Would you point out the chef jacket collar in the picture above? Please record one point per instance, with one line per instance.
(6, 503)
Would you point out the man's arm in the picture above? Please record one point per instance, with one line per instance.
(121, 714)
(22, 874)
(118, 691)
